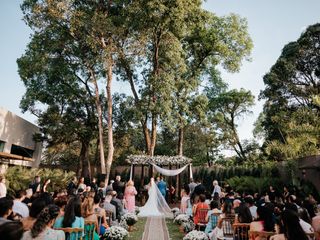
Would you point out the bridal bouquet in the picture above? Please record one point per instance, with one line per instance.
(130, 218)
(115, 233)
(196, 235)
(188, 226)
(181, 218)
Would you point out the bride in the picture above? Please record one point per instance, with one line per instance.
(156, 204)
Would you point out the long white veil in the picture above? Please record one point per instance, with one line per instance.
(156, 204)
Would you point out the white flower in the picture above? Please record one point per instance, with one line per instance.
(188, 226)
(158, 160)
(196, 235)
(181, 218)
(130, 218)
(115, 233)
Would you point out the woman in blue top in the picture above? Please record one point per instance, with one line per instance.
(72, 216)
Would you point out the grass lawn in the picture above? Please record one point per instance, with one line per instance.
(138, 229)
(173, 229)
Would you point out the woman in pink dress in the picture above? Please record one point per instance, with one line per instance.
(130, 196)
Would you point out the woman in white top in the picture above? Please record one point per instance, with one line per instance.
(3, 187)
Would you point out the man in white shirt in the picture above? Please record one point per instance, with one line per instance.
(18, 206)
(216, 188)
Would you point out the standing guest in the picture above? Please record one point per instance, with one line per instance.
(45, 185)
(72, 215)
(129, 196)
(81, 186)
(94, 185)
(192, 185)
(198, 206)
(118, 185)
(18, 206)
(89, 215)
(185, 198)
(172, 192)
(42, 228)
(5, 209)
(36, 207)
(291, 227)
(35, 185)
(271, 194)
(3, 187)
(27, 199)
(285, 193)
(72, 186)
(162, 185)
(199, 189)
(216, 188)
(11, 230)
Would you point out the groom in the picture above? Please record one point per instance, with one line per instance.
(162, 185)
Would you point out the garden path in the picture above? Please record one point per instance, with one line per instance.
(155, 229)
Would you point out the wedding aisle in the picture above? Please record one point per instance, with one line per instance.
(155, 229)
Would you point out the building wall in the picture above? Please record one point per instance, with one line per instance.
(15, 130)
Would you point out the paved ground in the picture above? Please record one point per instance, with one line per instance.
(155, 229)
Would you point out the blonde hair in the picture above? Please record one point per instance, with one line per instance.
(87, 207)
(130, 183)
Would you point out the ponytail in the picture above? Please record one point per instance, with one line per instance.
(48, 214)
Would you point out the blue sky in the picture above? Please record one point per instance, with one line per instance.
(272, 24)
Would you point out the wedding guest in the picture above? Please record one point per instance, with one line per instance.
(291, 227)
(110, 207)
(3, 187)
(162, 185)
(18, 206)
(244, 214)
(192, 185)
(35, 185)
(129, 196)
(265, 221)
(118, 204)
(42, 228)
(101, 214)
(198, 206)
(285, 193)
(94, 185)
(27, 200)
(5, 209)
(216, 188)
(61, 202)
(172, 193)
(72, 186)
(45, 185)
(12, 230)
(118, 185)
(184, 201)
(81, 185)
(212, 217)
(35, 209)
(253, 208)
(89, 215)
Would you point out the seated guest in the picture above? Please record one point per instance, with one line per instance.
(101, 214)
(5, 209)
(45, 185)
(36, 207)
(12, 230)
(27, 200)
(89, 215)
(244, 214)
(307, 228)
(291, 228)
(265, 221)
(61, 202)
(18, 206)
(72, 215)
(81, 185)
(212, 217)
(72, 186)
(236, 204)
(42, 228)
(198, 206)
(118, 204)
(108, 206)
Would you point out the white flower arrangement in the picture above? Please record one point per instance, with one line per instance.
(175, 211)
(123, 223)
(196, 235)
(181, 218)
(188, 226)
(130, 218)
(116, 233)
(136, 210)
(158, 160)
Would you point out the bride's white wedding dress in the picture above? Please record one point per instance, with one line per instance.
(156, 204)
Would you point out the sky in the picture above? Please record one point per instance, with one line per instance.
(271, 24)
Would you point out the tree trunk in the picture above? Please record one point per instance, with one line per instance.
(110, 130)
(146, 136)
(100, 123)
(84, 159)
(153, 135)
(180, 141)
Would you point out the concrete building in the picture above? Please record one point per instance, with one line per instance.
(17, 146)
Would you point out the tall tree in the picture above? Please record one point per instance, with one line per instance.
(292, 86)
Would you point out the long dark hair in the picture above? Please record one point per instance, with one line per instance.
(291, 226)
(46, 215)
(71, 211)
(244, 214)
(265, 215)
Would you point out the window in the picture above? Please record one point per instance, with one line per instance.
(21, 151)
(2, 143)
